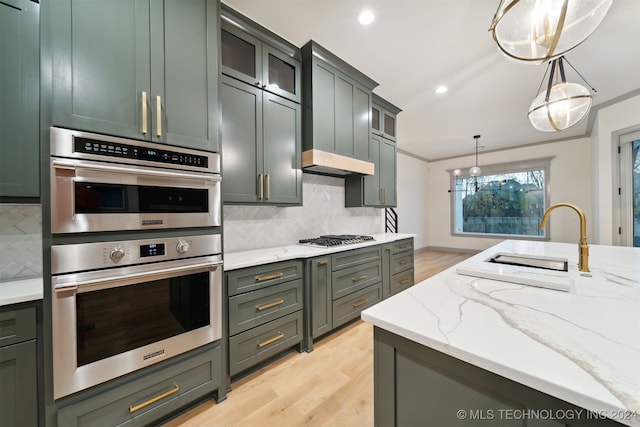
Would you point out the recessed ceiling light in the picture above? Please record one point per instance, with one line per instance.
(366, 17)
(441, 89)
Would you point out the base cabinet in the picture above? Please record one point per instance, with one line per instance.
(152, 397)
(397, 267)
(18, 367)
(265, 312)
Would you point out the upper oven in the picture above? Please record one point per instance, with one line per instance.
(103, 183)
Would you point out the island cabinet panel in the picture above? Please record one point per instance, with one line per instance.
(19, 103)
(261, 115)
(265, 312)
(153, 396)
(154, 76)
(416, 385)
(18, 367)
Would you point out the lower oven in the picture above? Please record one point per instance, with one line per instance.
(121, 306)
(103, 183)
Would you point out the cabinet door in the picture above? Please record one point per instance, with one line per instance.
(241, 141)
(281, 73)
(319, 270)
(184, 73)
(323, 90)
(388, 172)
(388, 121)
(371, 183)
(344, 108)
(361, 122)
(241, 55)
(101, 66)
(19, 390)
(282, 136)
(19, 99)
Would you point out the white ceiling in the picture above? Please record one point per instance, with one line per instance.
(413, 46)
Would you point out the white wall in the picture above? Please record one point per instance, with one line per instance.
(609, 124)
(570, 181)
(413, 187)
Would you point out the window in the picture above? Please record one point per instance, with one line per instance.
(507, 200)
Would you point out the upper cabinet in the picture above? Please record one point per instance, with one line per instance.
(383, 121)
(261, 115)
(247, 58)
(336, 115)
(19, 99)
(146, 69)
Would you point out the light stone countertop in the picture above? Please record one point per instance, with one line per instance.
(235, 260)
(17, 291)
(582, 346)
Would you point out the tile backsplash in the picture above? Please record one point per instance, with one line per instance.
(323, 212)
(20, 241)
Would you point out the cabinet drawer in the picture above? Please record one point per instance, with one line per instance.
(258, 344)
(355, 257)
(402, 246)
(249, 279)
(401, 281)
(351, 279)
(17, 325)
(151, 397)
(349, 307)
(255, 308)
(401, 262)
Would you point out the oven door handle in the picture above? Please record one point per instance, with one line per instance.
(78, 164)
(115, 281)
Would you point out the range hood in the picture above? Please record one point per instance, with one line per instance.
(325, 163)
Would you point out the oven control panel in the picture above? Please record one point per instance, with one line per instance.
(89, 256)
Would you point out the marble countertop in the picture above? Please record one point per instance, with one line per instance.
(582, 346)
(17, 291)
(235, 260)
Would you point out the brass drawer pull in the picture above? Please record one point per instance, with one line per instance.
(406, 245)
(323, 262)
(271, 340)
(269, 277)
(388, 248)
(357, 279)
(175, 389)
(269, 305)
(359, 303)
(404, 261)
(404, 281)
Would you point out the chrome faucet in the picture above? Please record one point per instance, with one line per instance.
(583, 248)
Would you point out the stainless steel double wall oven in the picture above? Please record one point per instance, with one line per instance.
(120, 303)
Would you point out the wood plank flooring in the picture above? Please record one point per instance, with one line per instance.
(331, 386)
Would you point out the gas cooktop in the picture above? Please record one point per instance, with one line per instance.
(336, 240)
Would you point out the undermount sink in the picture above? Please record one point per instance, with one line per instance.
(522, 269)
(546, 263)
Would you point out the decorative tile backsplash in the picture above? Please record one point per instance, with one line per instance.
(20, 241)
(323, 212)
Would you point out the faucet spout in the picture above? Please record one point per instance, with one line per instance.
(583, 247)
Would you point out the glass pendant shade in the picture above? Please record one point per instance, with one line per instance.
(475, 171)
(539, 30)
(568, 103)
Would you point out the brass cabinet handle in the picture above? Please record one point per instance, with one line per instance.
(268, 179)
(269, 305)
(404, 261)
(260, 187)
(384, 194)
(175, 389)
(388, 248)
(159, 116)
(380, 195)
(359, 303)
(323, 262)
(357, 279)
(406, 245)
(403, 281)
(144, 113)
(269, 277)
(271, 340)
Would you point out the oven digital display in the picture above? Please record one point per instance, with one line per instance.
(153, 249)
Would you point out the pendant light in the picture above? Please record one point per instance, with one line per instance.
(536, 31)
(562, 104)
(475, 171)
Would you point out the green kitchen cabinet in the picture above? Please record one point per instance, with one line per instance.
(337, 104)
(380, 189)
(18, 366)
(146, 69)
(248, 58)
(261, 138)
(397, 267)
(19, 99)
(318, 276)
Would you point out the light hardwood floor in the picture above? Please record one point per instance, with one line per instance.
(331, 386)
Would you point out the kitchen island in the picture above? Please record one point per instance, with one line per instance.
(461, 350)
